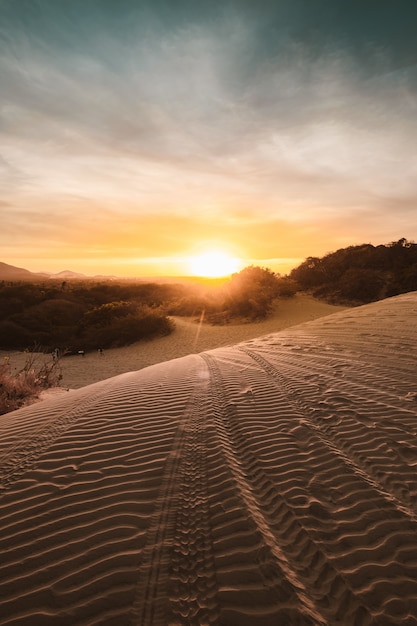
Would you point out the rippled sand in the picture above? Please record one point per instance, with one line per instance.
(189, 337)
(268, 483)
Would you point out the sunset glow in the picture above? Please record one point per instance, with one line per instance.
(214, 264)
(132, 131)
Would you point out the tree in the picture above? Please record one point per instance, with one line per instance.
(104, 314)
(251, 292)
(309, 274)
(362, 273)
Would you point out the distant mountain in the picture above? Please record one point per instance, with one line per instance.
(69, 275)
(10, 272)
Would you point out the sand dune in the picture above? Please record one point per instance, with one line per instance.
(265, 484)
(189, 337)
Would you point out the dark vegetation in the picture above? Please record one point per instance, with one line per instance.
(248, 296)
(17, 388)
(74, 316)
(67, 317)
(360, 274)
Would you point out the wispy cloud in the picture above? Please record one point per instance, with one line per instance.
(149, 120)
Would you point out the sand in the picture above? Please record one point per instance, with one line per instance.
(268, 483)
(189, 337)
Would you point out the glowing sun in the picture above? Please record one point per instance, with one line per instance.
(213, 264)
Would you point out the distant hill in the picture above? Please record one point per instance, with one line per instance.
(13, 273)
(10, 272)
(69, 275)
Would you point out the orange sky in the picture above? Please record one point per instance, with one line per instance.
(134, 136)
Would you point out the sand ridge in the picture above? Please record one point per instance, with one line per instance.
(189, 337)
(269, 482)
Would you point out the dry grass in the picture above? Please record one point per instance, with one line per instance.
(18, 388)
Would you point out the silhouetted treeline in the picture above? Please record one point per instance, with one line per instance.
(360, 274)
(248, 296)
(75, 316)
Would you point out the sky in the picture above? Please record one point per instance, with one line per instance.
(136, 134)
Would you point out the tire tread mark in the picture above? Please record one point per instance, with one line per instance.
(330, 442)
(152, 603)
(273, 551)
(193, 597)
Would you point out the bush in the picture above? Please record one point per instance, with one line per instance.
(251, 293)
(287, 288)
(19, 388)
(14, 337)
(106, 313)
(361, 285)
(46, 324)
(189, 305)
(361, 274)
(113, 329)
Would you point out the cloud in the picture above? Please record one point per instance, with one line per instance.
(233, 117)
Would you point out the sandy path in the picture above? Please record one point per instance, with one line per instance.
(189, 338)
(272, 482)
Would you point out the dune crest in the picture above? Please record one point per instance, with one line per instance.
(189, 337)
(272, 482)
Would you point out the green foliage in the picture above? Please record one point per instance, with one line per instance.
(70, 317)
(118, 324)
(50, 313)
(105, 314)
(85, 316)
(361, 274)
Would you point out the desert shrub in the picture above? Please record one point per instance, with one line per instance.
(19, 388)
(50, 313)
(9, 305)
(190, 305)
(251, 293)
(14, 337)
(405, 280)
(361, 285)
(16, 297)
(144, 324)
(118, 330)
(50, 317)
(355, 286)
(47, 324)
(362, 273)
(105, 314)
(287, 288)
(310, 273)
(217, 318)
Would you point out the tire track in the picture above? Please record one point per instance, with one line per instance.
(335, 444)
(378, 375)
(272, 556)
(193, 585)
(159, 599)
(150, 605)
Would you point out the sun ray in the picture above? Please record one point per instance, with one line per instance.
(213, 264)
